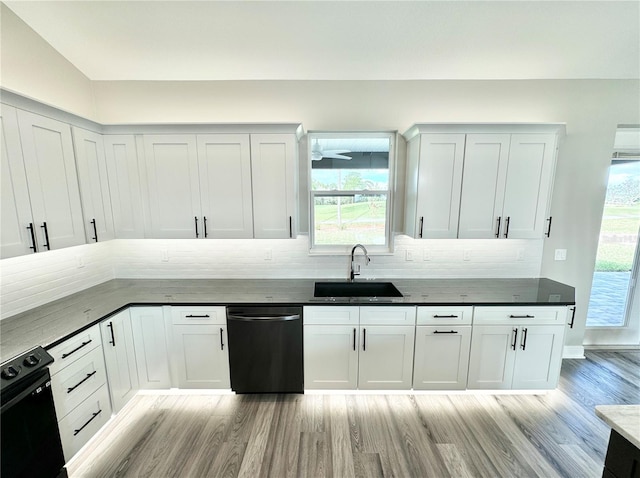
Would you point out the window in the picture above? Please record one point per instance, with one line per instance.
(350, 185)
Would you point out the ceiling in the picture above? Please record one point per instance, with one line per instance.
(341, 40)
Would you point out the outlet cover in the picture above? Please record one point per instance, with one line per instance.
(560, 255)
(466, 255)
(409, 255)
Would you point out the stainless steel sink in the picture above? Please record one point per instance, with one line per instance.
(356, 289)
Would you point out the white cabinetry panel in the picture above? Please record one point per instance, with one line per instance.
(441, 357)
(331, 357)
(150, 342)
(94, 185)
(386, 357)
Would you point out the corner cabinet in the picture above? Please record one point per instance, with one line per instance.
(228, 186)
(480, 181)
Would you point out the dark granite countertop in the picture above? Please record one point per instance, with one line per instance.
(51, 323)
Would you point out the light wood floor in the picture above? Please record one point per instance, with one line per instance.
(556, 434)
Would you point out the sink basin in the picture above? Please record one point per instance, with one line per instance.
(356, 289)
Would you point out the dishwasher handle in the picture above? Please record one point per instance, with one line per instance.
(263, 317)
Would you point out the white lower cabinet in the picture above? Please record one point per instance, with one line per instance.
(515, 356)
(199, 351)
(120, 359)
(441, 357)
(343, 350)
(151, 350)
(79, 386)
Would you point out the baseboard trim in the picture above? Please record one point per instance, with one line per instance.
(573, 352)
(612, 347)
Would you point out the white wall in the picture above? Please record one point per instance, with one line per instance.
(31, 67)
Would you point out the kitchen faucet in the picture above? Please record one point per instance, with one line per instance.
(355, 268)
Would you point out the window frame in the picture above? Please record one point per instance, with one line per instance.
(340, 249)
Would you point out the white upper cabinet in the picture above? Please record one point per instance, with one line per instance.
(434, 180)
(53, 183)
(124, 186)
(273, 172)
(529, 184)
(16, 216)
(480, 181)
(224, 162)
(172, 180)
(483, 183)
(94, 185)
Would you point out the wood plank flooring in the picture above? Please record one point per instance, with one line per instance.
(422, 435)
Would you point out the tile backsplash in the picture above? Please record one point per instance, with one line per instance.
(33, 280)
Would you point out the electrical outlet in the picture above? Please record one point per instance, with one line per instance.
(554, 297)
(164, 255)
(409, 255)
(427, 255)
(79, 262)
(268, 254)
(520, 255)
(466, 255)
(560, 255)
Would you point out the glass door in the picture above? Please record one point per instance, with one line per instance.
(613, 316)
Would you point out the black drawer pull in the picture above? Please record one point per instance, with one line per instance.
(445, 316)
(523, 343)
(221, 338)
(89, 375)
(515, 339)
(46, 236)
(445, 332)
(354, 338)
(76, 349)
(548, 233)
(95, 230)
(522, 316)
(573, 318)
(33, 238)
(205, 316)
(95, 414)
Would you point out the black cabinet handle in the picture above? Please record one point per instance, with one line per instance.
(290, 227)
(421, 225)
(46, 236)
(506, 227)
(205, 316)
(221, 338)
(95, 414)
(113, 337)
(498, 229)
(573, 317)
(89, 375)
(77, 348)
(445, 332)
(548, 233)
(33, 237)
(515, 338)
(522, 316)
(523, 344)
(354, 338)
(95, 230)
(204, 220)
(195, 218)
(445, 316)
(364, 340)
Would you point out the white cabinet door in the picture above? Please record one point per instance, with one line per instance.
(94, 185)
(119, 354)
(434, 185)
(441, 357)
(492, 356)
(150, 343)
(539, 357)
(529, 185)
(224, 162)
(386, 357)
(483, 183)
(172, 182)
(331, 357)
(200, 356)
(124, 186)
(15, 239)
(273, 173)
(53, 181)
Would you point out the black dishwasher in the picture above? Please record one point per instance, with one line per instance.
(265, 349)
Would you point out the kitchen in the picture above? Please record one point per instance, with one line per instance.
(591, 104)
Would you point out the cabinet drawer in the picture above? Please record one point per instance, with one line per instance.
(84, 421)
(384, 315)
(73, 384)
(74, 348)
(457, 315)
(331, 315)
(537, 315)
(198, 315)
